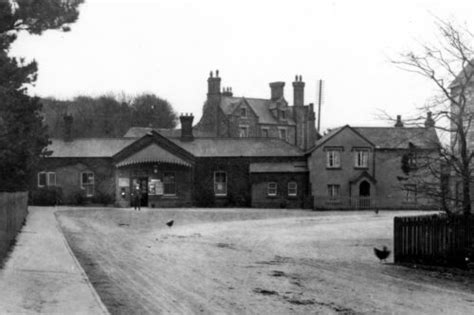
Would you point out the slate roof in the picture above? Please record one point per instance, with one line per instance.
(88, 147)
(138, 132)
(200, 147)
(289, 167)
(260, 106)
(400, 138)
(236, 147)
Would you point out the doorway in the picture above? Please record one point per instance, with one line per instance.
(364, 189)
(142, 183)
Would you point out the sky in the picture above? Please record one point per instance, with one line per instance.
(169, 48)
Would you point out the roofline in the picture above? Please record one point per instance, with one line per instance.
(336, 133)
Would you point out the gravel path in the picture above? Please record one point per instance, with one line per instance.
(253, 262)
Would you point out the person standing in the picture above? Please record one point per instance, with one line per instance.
(137, 197)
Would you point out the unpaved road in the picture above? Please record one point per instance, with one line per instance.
(253, 262)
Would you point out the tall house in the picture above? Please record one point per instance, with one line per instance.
(228, 116)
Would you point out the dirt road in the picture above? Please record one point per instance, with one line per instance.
(254, 262)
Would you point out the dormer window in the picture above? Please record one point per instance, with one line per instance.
(283, 115)
(243, 112)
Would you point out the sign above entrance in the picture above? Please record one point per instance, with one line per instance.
(124, 182)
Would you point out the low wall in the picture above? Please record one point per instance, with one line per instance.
(13, 211)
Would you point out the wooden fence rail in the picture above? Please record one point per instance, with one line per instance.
(434, 240)
(13, 211)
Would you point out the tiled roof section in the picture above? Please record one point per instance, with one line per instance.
(88, 147)
(328, 135)
(235, 147)
(290, 167)
(261, 107)
(138, 132)
(400, 138)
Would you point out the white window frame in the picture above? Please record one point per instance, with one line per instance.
(88, 187)
(165, 183)
(333, 159)
(292, 191)
(272, 189)
(334, 191)
(410, 193)
(245, 129)
(48, 179)
(361, 158)
(280, 135)
(216, 193)
(45, 179)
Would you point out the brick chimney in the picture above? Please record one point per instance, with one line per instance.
(68, 119)
(277, 90)
(298, 91)
(186, 127)
(429, 122)
(227, 91)
(214, 84)
(399, 122)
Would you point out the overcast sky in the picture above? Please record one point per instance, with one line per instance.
(169, 47)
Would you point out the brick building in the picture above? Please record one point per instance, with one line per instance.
(243, 152)
(360, 167)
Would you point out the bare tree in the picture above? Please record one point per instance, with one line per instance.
(448, 63)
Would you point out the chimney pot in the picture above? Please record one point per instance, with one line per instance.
(429, 122)
(399, 122)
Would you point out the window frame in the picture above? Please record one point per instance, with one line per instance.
(165, 183)
(272, 191)
(265, 129)
(216, 193)
(45, 179)
(244, 128)
(48, 177)
(295, 193)
(283, 114)
(280, 129)
(332, 152)
(243, 112)
(357, 155)
(334, 192)
(86, 186)
(411, 194)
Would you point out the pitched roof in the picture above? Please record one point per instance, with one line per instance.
(137, 132)
(289, 167)
(200, 147)
(153, 153)
(237, 147)
(88, 147)
(400, 137)
(260, 106)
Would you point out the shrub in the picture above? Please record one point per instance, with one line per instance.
(46, 196)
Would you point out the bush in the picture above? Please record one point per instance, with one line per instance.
(103, 198)
(47, 196)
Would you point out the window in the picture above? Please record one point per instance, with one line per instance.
(333, 159)
(272, 189)
(333, 191)
(362, 158)
(282, 133)
(243, 131)
(169, 183)
(243, 112)
(220, 183)
(46, 179)
(292, 189)
(283, 115)
(410, 193)
(265, 132)
(87, 183)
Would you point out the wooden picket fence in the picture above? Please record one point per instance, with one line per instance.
(434, 240)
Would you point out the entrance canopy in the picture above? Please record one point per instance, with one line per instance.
(152, 154)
